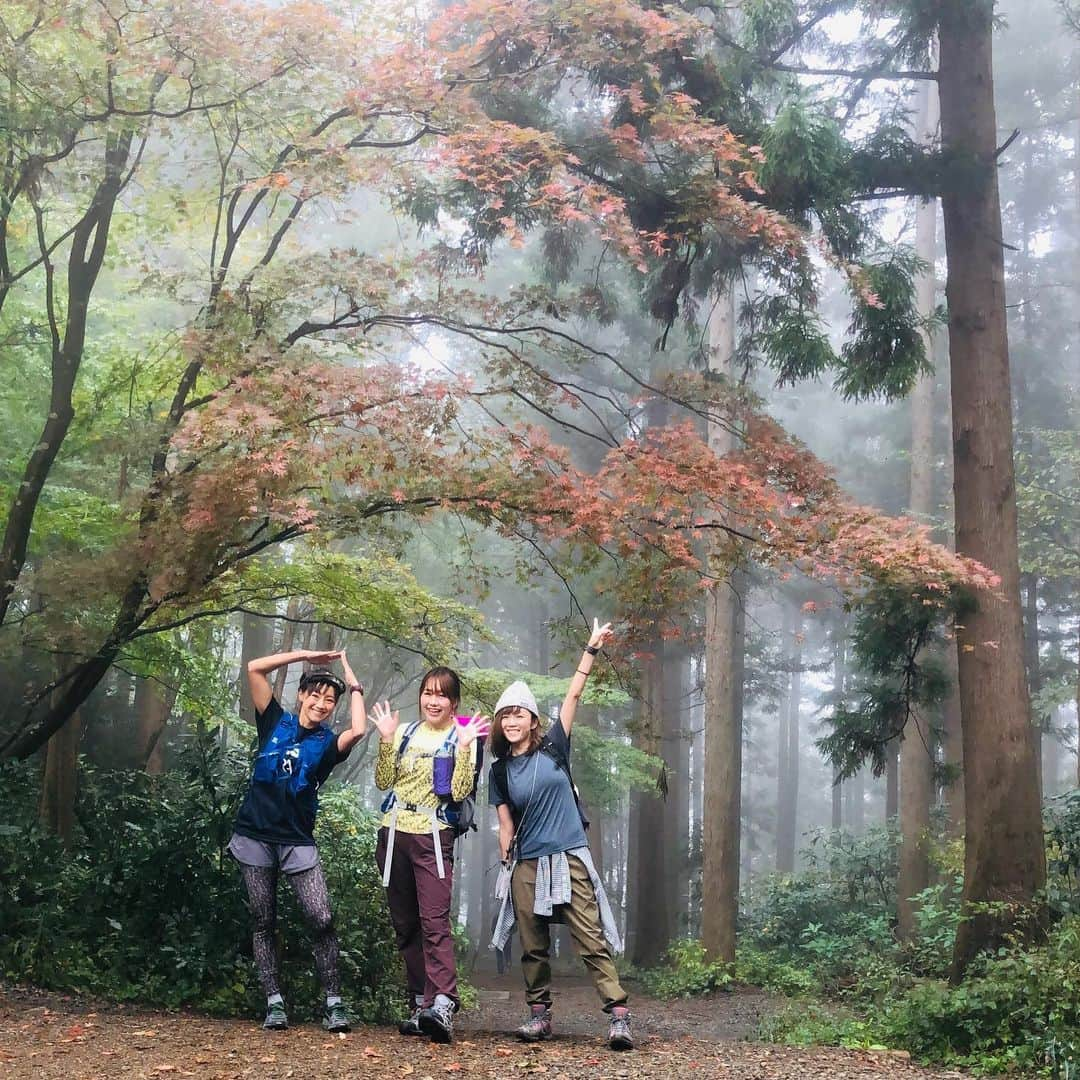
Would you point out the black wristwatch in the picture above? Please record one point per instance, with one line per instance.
(357, 688)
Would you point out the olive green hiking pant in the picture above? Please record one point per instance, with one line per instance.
(582, 916)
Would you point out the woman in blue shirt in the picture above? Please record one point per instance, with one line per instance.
(548, 872)
(274, 829)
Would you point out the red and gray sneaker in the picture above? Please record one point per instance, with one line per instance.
(619, 1037)
(538, 1026)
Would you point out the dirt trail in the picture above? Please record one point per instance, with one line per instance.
(50, 1037)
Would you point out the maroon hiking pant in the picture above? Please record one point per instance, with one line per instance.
(420, 911)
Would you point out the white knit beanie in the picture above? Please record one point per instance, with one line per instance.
(517, 693)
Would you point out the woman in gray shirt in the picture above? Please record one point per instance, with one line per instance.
(548, 873)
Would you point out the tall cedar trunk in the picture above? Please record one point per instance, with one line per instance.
(1051, 763)
(839, 699)
(722, 781)
(153, 706)
(649, 916)
(589, 716)
(59, 783)
(1004, 859)
(917, 747)
(288, 636)
(857, 806)
(697, 805)
(892, 781)
(788, 743)
(674, 750)
(257, 641)
(953, 744)
(1031, 661)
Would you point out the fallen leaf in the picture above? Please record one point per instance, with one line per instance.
(503, 1052)
(145, 1034)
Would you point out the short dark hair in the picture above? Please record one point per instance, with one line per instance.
(449, 682)
(322, 677)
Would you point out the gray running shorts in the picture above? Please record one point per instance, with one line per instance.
(290, 858)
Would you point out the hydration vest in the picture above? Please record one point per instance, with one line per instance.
(289, 760)
(459, 815)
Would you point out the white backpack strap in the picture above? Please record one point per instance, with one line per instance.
(388, 861)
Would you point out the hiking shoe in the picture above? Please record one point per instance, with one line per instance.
(619, 1037)
(538, 1026)
(276, 1017)
(437, 1022)
(411, 1025)
(336, 1019)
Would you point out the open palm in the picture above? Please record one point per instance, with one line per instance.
(385, 720)
(477, 727)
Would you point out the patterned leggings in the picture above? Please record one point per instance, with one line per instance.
(309, 887)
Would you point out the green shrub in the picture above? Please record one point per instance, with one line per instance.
(1063, 851)
(1017, 1010)
(148, 905)
(686, 972)
(770, 971)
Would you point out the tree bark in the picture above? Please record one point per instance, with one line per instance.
(288, 636)
(917, 748)
(721, 822)
(1004, 860)
(1031, 663)
(649, 915)
(89, 244)
(257, 641)
(953, 744)
(788, 742)
(153, 706)
(675, 751)
(892, 782)
(59, 784)
(839, 697)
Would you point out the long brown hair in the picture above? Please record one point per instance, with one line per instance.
(500, 745)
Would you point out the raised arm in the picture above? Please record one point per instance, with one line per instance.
(600, 636)
(262, 693)
(386, 723)
(357, 710)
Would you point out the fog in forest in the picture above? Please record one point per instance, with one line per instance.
(644, 330)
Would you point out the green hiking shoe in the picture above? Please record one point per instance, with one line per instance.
(276, 1017)
(336, 1018)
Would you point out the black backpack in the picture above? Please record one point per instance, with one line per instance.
(562, 761)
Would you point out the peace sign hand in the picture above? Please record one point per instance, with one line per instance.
(385, 721)
(477, 727)
(601, 635)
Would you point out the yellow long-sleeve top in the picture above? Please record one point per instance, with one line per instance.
(410, 774)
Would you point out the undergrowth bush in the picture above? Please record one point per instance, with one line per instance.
(148, 905)
(826, 937)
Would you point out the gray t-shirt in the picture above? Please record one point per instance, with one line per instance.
(551, 822)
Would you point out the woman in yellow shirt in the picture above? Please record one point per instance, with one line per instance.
(426, 768)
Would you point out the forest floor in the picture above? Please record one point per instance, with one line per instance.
(46, 1036)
